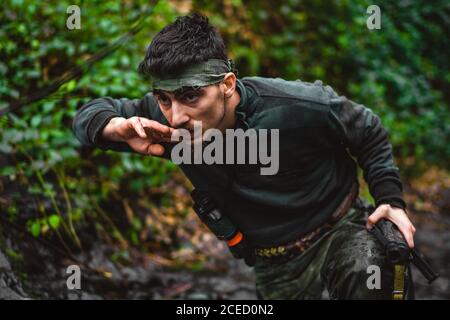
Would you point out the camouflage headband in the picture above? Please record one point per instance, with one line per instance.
(202, 74)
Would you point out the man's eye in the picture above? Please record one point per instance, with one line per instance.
(190, 98)
(164, 100)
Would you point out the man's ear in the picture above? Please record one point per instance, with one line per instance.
(229, 81)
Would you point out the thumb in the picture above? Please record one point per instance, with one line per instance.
(378, 214)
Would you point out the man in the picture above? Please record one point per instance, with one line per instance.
(306, 223)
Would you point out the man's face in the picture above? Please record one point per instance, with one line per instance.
(182, 107)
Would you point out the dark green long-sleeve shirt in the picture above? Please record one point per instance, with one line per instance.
(319, 132)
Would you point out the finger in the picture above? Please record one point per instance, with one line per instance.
(155, 150)
(378, 214)
(165, 138)
(157, 127)
(405, 226)
(159, 137)
(408, 234)
(137, 125)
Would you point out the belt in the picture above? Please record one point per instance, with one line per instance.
(293, 248)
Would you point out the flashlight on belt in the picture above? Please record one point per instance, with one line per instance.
(222, 226)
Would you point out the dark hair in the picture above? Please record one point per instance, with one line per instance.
(186, 41)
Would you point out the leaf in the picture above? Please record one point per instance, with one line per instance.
(36, 229)
(35, 121)
(54, 221)
(7, 170)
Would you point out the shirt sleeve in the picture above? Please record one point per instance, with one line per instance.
(92, 117)
(360, 131)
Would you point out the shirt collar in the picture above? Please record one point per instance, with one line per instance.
(246, 105)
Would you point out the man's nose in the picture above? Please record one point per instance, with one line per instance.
(179, 117)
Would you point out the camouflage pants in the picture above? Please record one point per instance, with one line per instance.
(335, 264)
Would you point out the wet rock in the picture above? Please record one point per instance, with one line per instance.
(10, 285)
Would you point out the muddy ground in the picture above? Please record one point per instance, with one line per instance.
(41, 273)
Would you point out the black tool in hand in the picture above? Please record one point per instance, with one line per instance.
(397, 250)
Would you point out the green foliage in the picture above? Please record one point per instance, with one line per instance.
(41, 153)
